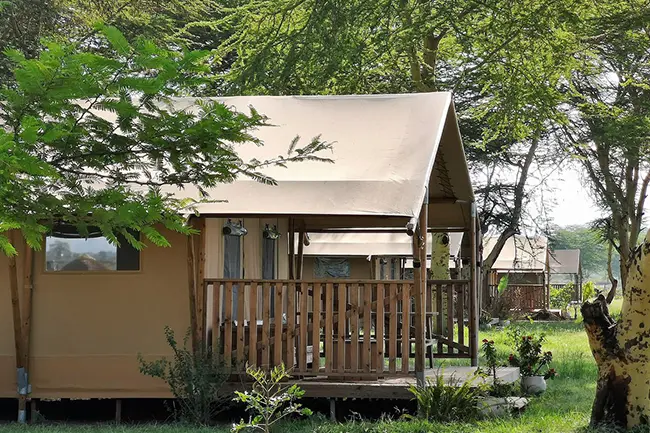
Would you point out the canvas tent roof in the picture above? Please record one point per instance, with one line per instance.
(370, 244)
(519, 253)
(565, 262)
(384, 152)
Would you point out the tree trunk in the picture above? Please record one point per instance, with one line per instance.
(440, 268)
(622, 350)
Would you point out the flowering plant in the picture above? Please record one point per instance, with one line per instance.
(490, 354)
(530, 358)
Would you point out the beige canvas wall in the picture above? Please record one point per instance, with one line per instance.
(88, 328)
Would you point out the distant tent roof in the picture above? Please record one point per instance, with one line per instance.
(565, 262)
(385, 147)
(370, 244)
(519, 253)
(85, 263)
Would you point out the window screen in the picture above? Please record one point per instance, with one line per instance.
(269, 247)
(331, 267)
(66, 250)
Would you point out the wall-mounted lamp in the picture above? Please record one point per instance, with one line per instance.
(306, 241)
(271, 232)
(234, 229)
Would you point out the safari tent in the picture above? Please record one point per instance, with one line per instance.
(77, 333)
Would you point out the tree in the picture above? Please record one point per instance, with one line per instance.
(22, 24)
(505, 69)
(63, 162)
(610, 110)
(621, 350)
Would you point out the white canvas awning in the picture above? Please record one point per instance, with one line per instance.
(384, 149)
(520, 253)
(370, 244)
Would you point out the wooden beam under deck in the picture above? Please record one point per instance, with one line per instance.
(395, 388)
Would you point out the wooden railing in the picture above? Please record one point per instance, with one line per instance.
(526, 297)
(360, 328)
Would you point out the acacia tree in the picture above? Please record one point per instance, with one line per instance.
(610, 111)
(503, 60)
(64, 162)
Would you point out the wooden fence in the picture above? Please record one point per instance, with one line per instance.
(361, 328)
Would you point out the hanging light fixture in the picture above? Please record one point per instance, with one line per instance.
(234, 229)
(271, 232)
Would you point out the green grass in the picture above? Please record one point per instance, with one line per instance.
(564, 408)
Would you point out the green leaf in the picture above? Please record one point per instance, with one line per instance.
(115, 38)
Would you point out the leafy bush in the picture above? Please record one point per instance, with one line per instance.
(449, 402)
(194, 379)
(529, 357)
(560, 297)
(588, 291)
(503, 284)
(269, 401)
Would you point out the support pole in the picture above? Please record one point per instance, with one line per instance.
(292, 250)
(473, 289)
(18, 334)
(118, 411)
(28, 286)
(199, 287)
(333, 409)
(191, 285)
(419, 282)
(301, 253)
(547, 294)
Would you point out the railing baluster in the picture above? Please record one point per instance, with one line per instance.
(354, 327)
(329, 327)
(392, 339)
(266, 326)
(291, 325)
(461, 313)
(406, 326)
(379, 327)
(241, 298)
(367, 325)
(304, 325)
(227, 319)
(340, 362)
(252, 325)
(277, 313)
(315, 363)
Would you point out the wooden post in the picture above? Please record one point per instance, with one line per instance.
(473, 290)
(18, 334)
(547, 294)
(301, 253)
(201, 295)
(419, 280)
(191, 283)
(27, 321)
(292, 250)
(118, 411)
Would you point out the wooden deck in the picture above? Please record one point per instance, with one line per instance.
(394, 388)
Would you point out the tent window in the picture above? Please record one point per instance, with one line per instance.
(269, 267)
(66, 250)
(331, 267)
(232, 267)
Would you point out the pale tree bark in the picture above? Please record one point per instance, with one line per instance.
(621, 350)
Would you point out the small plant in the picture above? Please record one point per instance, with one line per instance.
(451, 401)
(588, 291)
(529, 357)
(490, 355)
(561, 297)
(194, 379)
(269, 401)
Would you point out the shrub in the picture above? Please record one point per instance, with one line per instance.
(588, 291)
(561, 297)
(269, 401)
(529, 357)
(449, 402)
(194, 379)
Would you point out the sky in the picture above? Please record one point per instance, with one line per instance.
(573, 203)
